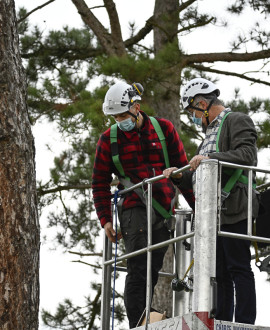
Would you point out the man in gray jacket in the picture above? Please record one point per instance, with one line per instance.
(230, 137)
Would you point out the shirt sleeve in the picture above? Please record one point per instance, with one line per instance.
(177, 156)
(101, 180)
(238, 141)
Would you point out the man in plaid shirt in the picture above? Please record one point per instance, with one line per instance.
(141, 155)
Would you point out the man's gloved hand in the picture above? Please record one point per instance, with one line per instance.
(110, 232)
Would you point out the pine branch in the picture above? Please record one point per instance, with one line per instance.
(95, 309)
(32, 11)
(76, 54)
(86, 254)
(228, 73)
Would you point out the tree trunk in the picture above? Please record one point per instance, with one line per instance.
(166, 106)
(166, 101)
(19, 227)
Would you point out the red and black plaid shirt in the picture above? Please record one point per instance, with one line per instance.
(142, 157)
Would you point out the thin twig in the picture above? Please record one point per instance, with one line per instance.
(32, 11)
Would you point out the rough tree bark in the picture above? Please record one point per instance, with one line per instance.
(167, 105)
(19, 227)
(166, 14)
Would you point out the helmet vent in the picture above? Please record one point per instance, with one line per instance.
(205, 85)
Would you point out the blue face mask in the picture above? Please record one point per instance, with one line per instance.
(126, 125)
(197, 121)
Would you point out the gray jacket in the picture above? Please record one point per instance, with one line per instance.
(237, 144)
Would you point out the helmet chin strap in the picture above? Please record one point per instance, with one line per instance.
(206, 111)
(136, 117)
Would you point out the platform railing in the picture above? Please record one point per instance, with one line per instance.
(207, 226)
(107, 262)
(250, 170)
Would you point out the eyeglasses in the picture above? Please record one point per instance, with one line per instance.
(197, 103)
(191, 110)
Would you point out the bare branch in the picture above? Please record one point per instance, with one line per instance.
(95, 7)
(86, 254)
(32, 11)
(186, 4)
(99, 30)
(192, 26)
(225, 57)
(228, 73)
(141, 34)
(86, 263)
(42, 192)
(149, 26)
(116, 32)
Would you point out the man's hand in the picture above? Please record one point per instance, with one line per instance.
(110, 232)
(195, 161)
(168, 172)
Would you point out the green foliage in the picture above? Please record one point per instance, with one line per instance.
(259, 110)
(68, 75)
(70, 317)
(257, 5)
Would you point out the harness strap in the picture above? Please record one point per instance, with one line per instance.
(126, 180)
(162, 140)
(114, 150)
(156, 205)
(235, 174)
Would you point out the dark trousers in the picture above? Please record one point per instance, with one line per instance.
(133, 224)
(234, 274)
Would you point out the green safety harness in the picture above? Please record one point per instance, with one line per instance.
(235, 174)
(125, 180)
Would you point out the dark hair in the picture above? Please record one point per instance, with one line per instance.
(208, 98)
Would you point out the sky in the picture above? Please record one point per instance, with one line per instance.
(59, 277)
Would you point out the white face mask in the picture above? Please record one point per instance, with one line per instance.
(126, 124)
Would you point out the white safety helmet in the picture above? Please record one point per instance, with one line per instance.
(197, 86)
(120, 97)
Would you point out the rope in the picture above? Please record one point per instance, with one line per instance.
(189, 268)
(115, 254)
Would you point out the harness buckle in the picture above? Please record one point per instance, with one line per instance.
(224, 195)
(170, 223)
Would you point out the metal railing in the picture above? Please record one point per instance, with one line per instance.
(208, 196)
(250, 170)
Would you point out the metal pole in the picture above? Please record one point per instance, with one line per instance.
(183, 257)
(106, 285)
(205, 237)
(249, 229)
(149, 254)
(150, 248)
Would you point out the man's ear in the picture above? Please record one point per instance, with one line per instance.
(204, 104)
(138, 107)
